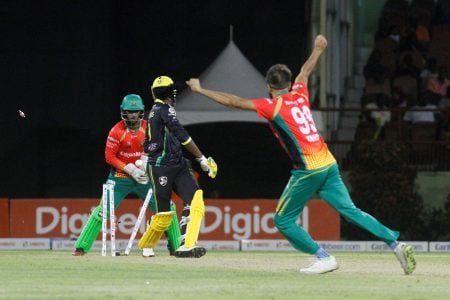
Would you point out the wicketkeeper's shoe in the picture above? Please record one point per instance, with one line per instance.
(148, 252)
(405, 255)
(321, 265)
(195, 251)
(78, 252)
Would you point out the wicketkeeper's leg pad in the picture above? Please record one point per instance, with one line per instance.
(173, 232)
(159, 223)
(90, 231)
(197, 212)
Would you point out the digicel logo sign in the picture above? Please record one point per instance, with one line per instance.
(225, 219)
(240, 225)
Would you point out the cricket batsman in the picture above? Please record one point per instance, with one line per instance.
(169, 171)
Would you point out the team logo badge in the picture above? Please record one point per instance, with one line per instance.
(172, 111)
(163, 180)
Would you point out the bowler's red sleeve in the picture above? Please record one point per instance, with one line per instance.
(264, 107)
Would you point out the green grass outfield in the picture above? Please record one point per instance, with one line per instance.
(218, 275)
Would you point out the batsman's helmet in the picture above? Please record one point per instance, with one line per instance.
(132, 102)
(163, 87)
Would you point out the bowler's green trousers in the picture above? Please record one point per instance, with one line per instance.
(328, 184)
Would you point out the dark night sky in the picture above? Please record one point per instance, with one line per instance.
(67, 65)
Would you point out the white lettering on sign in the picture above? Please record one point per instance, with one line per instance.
(59, 220)
(242, 225)
(74, 223)
(40, 212)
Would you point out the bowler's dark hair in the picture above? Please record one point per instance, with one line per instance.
(278, 76)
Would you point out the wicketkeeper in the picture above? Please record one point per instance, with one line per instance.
(168, 170)
(123, 148)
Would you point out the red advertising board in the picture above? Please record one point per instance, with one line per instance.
(4, 217)
(65, 217)
(253, 219)
(225, 219)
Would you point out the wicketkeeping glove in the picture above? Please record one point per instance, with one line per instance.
(141, 163)
(208, 165)
(137, 174)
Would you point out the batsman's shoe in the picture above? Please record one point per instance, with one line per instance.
(195, 251)
(78, 252)
(405, 255)
(171, 251)
(321, 265)
(148, 252)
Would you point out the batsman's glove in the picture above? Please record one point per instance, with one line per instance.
(208, 165)
(139, 175)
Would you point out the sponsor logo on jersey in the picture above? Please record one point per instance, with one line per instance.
(130, 154)
(162, 180)
(152, 146)
(298, 86)
(172, 112)
(290, 102)
(312, 137)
